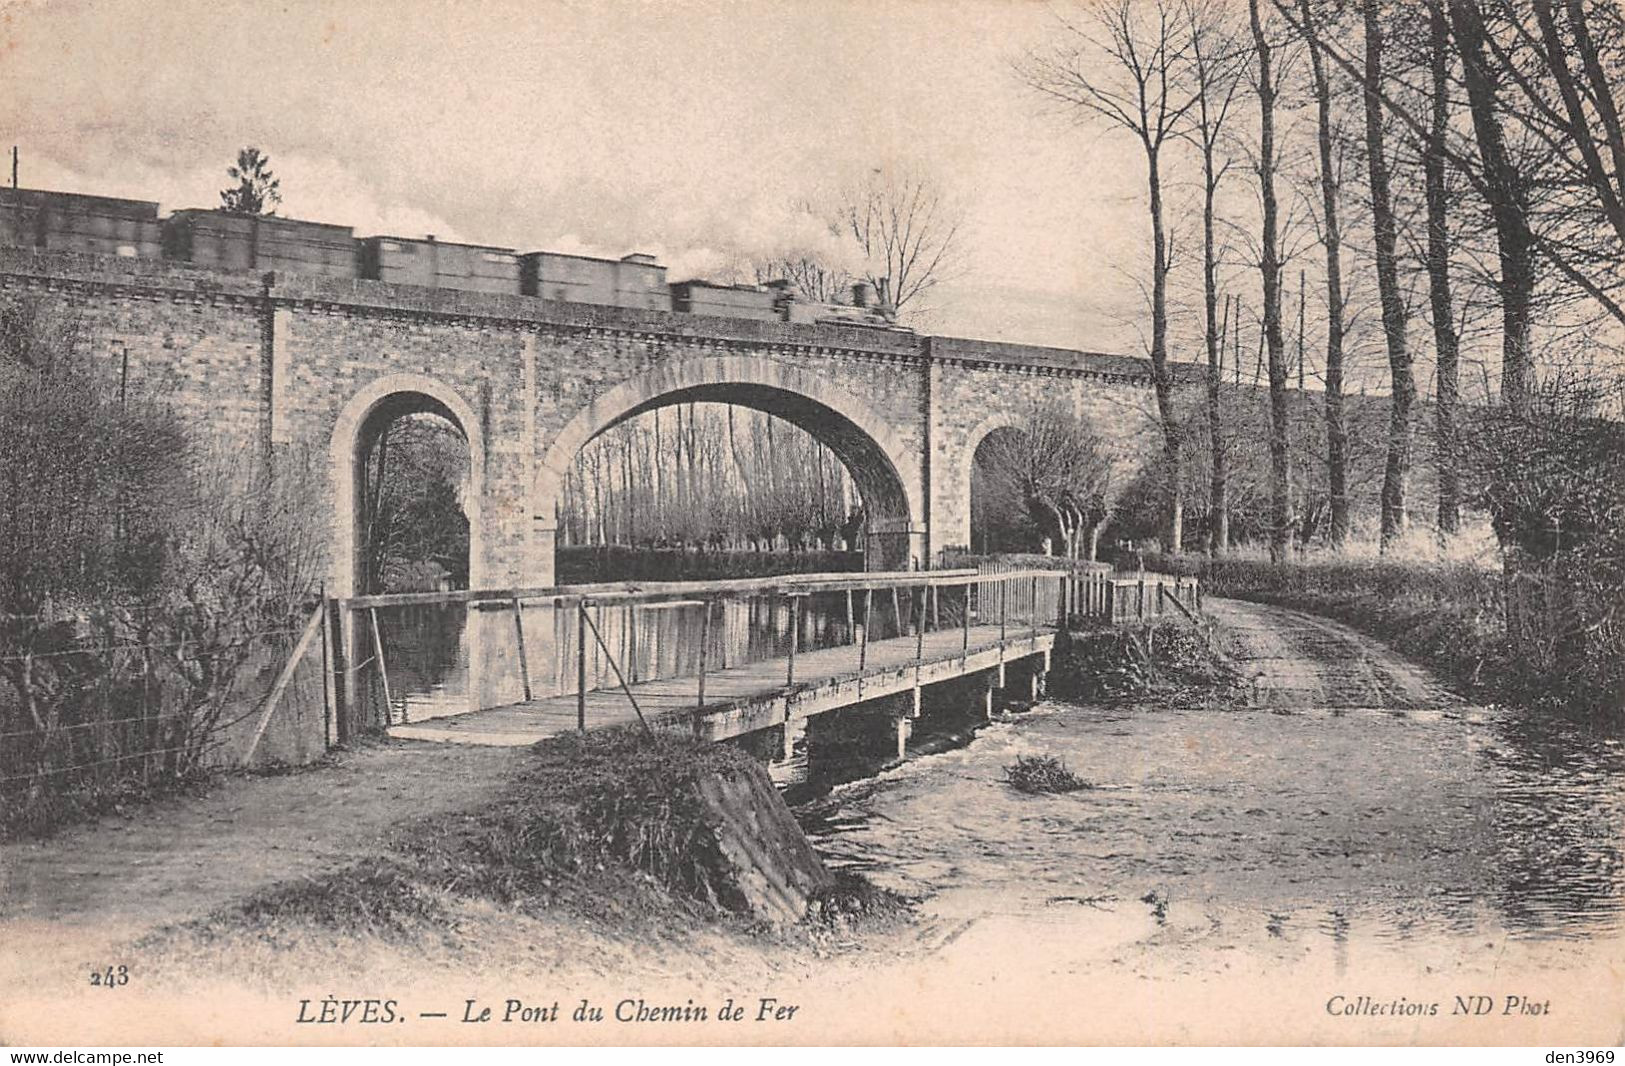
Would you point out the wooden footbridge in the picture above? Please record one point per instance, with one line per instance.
(832, 641)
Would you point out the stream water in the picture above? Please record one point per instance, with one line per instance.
(1209, 839)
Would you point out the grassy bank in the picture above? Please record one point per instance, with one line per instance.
(597, 835)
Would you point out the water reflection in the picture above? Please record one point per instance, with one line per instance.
(428, 650)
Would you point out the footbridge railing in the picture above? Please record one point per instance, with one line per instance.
(400, 657)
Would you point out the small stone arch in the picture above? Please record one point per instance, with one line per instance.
(961, 469)
(398, 394)
(884, 468)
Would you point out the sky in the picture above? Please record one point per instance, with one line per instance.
(687, 129)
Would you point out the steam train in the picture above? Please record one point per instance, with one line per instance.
(49, 221)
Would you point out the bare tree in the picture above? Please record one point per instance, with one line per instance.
(1327, 136)
(1446, 342)
(1122, 64)
(907, 228)
(1216, 64)
(1269, 266)
(1394, 313)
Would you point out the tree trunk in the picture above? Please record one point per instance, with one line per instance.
(1217, 503)
(1509, 207)
(1159, 356)
(1270, 268)
(1337, 439)
(1402, 382)
(1438, 253)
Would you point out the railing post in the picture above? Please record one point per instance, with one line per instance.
(1004, 610)
(964, 640)
(581, 665)
(1032, 615)
(919, 637)
(705, 643)
(519, 633)
(795, 638)
(383, 671)
(863, 639)
(632, 642)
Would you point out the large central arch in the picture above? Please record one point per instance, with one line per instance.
(883, 468)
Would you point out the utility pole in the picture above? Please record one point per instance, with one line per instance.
(14, 168)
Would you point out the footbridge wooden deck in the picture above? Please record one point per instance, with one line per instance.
(884, 637)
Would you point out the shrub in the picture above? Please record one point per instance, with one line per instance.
(1043, 774)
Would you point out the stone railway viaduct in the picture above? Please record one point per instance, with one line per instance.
(305, 369)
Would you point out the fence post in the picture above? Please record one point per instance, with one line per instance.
(863, 639)
(1004, 612)
(327, 674)
(964, 643)
(1032, 615)
(282, 680)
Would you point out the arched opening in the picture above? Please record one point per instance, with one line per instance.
(1038, 482)
(407, 487)
(1000, 519)
(411, 496)
(408, 466)
(699, 490)
(881, 527)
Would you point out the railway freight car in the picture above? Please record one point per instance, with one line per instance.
(731, 301)
(71, 222)
(231, 241)
(412, 261)
(632, 281)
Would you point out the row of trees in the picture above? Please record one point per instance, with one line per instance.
(1466, 163)
(709, 475)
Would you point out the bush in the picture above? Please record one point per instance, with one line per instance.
(139, 573)
(1043, 774)
(1167, 662)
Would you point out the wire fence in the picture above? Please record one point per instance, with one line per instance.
(105, 702)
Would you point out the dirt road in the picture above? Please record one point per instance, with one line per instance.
(120, 877)
(1297, 660)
